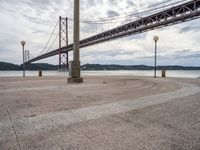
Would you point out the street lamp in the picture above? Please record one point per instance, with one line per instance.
(23, 44)
(155, 38)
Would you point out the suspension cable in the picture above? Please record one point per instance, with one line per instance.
(129, 15)
(48, 50)
(49, 38)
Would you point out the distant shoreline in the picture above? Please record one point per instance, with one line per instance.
(4, 66)
(107, 70)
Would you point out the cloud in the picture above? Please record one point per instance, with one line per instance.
(34, 20)
(111, 13)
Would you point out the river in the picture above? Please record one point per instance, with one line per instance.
(169, 73)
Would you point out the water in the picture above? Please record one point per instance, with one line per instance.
(170, 73)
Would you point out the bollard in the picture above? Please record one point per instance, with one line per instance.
(163, 73)
(40, 73)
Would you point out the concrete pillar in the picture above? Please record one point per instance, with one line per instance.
(75, 71)
(76, 31)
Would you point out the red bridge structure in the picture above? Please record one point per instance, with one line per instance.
(167, 15)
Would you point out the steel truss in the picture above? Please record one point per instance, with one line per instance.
(63, 42)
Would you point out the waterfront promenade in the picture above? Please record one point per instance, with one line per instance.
(103, 113)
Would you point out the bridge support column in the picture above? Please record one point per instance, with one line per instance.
(75, 70)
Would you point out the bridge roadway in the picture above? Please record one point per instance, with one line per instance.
(177, 14)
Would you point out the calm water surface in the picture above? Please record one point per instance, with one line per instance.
(170, 73)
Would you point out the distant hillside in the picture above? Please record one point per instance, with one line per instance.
(8, 66)
(43, 66)
(134, 67)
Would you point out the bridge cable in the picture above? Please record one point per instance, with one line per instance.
(135, 12)
(124, 16)
(49, 38)
(48, 50)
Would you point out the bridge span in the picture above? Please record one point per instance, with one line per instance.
(181, 13)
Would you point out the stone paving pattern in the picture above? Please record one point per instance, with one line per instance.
(103, 113)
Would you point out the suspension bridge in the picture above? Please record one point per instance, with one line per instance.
(115, 27)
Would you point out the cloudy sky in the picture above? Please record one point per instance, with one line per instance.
(33, 21)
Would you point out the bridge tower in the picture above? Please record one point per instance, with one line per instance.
(63, 41)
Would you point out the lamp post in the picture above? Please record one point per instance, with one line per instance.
(155, 38)
(23, 44)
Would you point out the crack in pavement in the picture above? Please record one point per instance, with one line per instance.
(13, 127)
